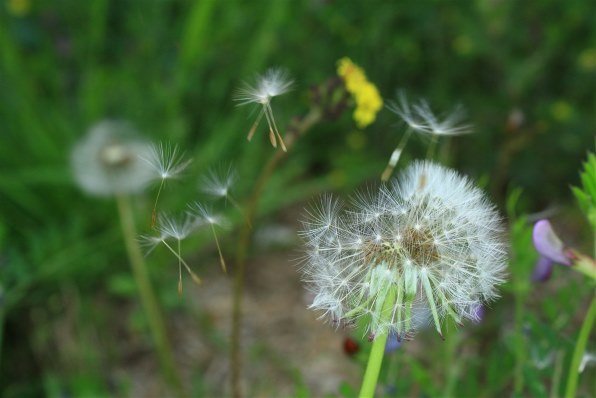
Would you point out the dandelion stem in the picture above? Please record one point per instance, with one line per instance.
(375, 359)
(300, 127)
(148, 300)
(452, 365)
(580, 348)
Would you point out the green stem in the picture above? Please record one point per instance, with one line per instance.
(554, 389)
(580, 348)
(1, 328)
(301, 127)
(395, 156)
(375, 359)
(150, 305)
(452, 365)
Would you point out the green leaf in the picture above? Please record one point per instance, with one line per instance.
(586, 195)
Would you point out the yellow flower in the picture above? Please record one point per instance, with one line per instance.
(365, 94)
(368, 103)
(352, 74)
(18, 8)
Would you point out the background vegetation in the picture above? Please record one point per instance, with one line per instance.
(525, 71)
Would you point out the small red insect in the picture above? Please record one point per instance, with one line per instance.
(351, 346)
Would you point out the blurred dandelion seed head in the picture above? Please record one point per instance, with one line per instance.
(430, 237)
(205, 216)
(218, 182)
(165, 161)
(420, 118)
(177, 228)
(273, 82)
(108, 160)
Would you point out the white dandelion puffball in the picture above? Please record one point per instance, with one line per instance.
(109, 160)
(429, 242)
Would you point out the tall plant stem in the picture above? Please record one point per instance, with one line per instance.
(148, 300)
(297, 129)
(377, 352)
(580, 348)
(452, 365)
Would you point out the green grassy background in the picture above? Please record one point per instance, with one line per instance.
(170, 67)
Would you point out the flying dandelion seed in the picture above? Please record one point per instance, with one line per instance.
(206, 216)
(166, 163)
(178, 229)
(429, 242)
(274, 82)
(419, 118)
(218, 183)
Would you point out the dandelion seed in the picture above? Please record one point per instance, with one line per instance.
(166, 163)
(218, 183)
(448, 259)
(108, 160)
(420, 118)
(205, 216)
(274, 82)
(178, 229)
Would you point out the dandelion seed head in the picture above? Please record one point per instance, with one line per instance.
(442, 255)
(178, 228)
(108, 160)
(165, 161)
(217, 183)
(420, 118)
(150, 242)
(274, 82)
(204, 215)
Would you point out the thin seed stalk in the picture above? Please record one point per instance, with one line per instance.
(395, 156)
(147, 295)
(377, 352)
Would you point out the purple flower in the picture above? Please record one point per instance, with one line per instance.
(551, 250)
(393, 343)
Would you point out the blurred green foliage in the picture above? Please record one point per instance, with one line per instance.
(525, 71)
